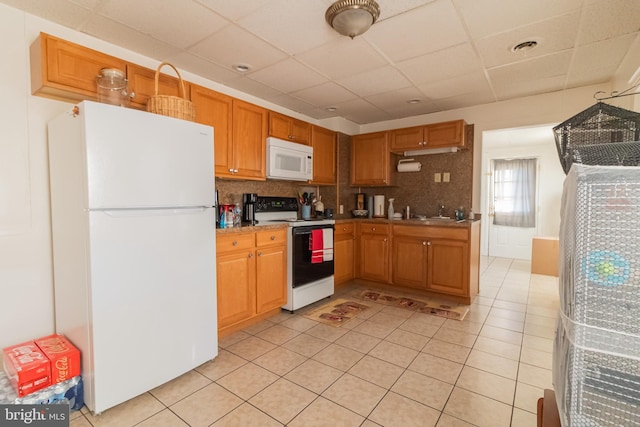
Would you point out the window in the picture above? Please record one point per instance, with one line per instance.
(514, 189)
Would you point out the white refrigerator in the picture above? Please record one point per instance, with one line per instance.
(133, 225)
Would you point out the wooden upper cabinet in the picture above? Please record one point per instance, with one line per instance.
(142, 85)
(371, 160)
(215, 109)
(323, 142)
(249, 141)
(288, 128)
(437, 135)
(67, 71)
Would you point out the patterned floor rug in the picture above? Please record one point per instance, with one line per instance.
(432, 306)
(337, 312)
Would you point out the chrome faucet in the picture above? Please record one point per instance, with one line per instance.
(440, 210)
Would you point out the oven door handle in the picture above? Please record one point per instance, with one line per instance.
(307, 230)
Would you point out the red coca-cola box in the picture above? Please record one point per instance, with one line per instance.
(64, 357)
(27, 367)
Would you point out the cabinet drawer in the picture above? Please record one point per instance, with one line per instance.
(373, 228)
(344, 228)
(271, 237)
(448, 233)
(234, 241)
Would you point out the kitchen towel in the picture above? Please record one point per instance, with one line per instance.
(316, 246)
(327, 244)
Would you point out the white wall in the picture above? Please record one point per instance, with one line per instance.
(26, 284)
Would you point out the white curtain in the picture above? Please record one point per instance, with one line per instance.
(514, 183)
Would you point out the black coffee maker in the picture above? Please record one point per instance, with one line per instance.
(249, 201)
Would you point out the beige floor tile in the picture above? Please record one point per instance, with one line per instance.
(398, 411)
(281, 317)
(80, 421)
(277, 334)
(358, 342)
(541, 359)
(179, 388)
(247, 380)
(478, 410)
(447, 420)
(220, 366)
(299, 323)
(306, 345)
(501, 334)
(283, 400)
(418, 326)
(511, 306)
(534, 319)
(499, 322)
(378, 330)
(397, 311)
(314, 376)
(164, 418)
(130, 412)
(338, 357)
(232, 339)
(534, 376)
(498, 365)
(206, 406)
(423, 389)
(446, 350)
(326, 332)
(542, 311)
(280, 360)
(456, 337)
(388, 319)
(246, 415)
(323, 412)
(527, 397)
(408, 339)
(488, 291)
(481, 300)
(537, 343)
(476, 316)
(499, 348)
(352, 323)
(436, 367)
(394, 353)
(466, 325)
(259, 327)
(523, 418)
(486, 384)
(376, 371)
(427, 319)
(548, 332)
(251, 348)
(358, 395)
(369, 423)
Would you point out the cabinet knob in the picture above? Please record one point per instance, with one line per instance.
(132, 94)
(424, 243)
(259, 253)
(373, 229)
(428, 243)
(273, 237)
(250, 254)
(385, 239)
(235, 243)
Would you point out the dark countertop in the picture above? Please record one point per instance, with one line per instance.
(417, 222)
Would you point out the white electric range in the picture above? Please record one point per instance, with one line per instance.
(309, 279)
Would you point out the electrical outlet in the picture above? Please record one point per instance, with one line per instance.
(445, 177)
(341, 209)
(437, 177)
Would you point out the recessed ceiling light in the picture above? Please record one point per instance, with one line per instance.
(413, 101)
(332, 109)
(242, 68)
(524, 46)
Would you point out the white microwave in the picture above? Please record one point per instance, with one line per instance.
(289, 160)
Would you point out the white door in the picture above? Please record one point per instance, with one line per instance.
(506, 241)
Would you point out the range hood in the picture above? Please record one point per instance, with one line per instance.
(426, 151)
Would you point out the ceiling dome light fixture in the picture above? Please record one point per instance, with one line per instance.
(352, 17)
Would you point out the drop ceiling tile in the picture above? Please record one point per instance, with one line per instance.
(470, 99)
(167, 20)
(487, 17)
(596, 62)
(293, 104)
(254, 88)
(429, 28)
(454, 61)
(203, 68)
(390, 8)
(552, 35)
(236, 9)
(61, 11)
(510, 90)
(343, 57)
(233, 45)
(288, 76)
(361, 112)
(121, 35)
(456, 86)
(294, 26)
(397, 99)
(609, 18)
(324, 95)
(524, 72)
(380, 80)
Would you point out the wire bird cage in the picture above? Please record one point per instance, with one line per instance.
(600, 135)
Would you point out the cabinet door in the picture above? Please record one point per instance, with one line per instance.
(288, 128)
(374, 255)
(271, 271)
(370, 159)
(448, 267)
(407, 139)
(323, 142)
(446, 134)
(344, 253)
(215, 109)
(236, 281)
(409, 264)
(301, 132)
(67, 71)
(142, 84)
(249, 140)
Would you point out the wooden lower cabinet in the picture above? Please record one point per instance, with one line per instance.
(344, 252)
(251, 277)
(409, 261)
(373, 251)
(448, 266)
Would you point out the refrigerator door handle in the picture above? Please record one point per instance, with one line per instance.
(131, 212)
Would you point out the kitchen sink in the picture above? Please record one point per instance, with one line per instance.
(445, 218)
